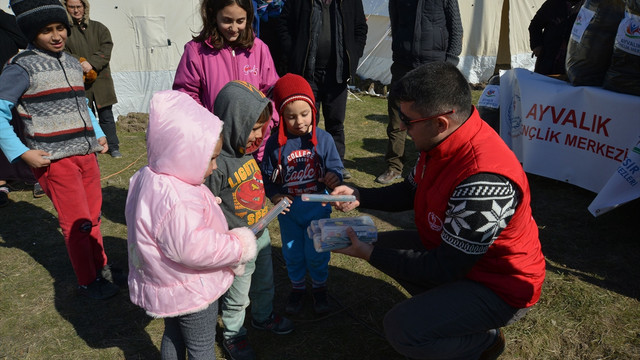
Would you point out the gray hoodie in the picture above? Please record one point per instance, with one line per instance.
(238, 180)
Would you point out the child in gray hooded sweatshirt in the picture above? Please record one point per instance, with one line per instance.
(245, 112)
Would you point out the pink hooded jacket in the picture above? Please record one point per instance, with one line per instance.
(204, 70)
(182, 257)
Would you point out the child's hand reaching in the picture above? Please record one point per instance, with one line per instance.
(331, 180)
(278, 197)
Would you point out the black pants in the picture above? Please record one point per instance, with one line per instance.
(455, 320)
(19, 170)
(108, 125)
(269, 34)
(332, 97)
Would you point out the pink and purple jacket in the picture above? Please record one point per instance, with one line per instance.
(182, 255)
(204, 70)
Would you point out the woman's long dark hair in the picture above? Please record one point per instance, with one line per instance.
(209, 10)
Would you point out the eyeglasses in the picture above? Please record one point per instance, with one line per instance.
(408, 122)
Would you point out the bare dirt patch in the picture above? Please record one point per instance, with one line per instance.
(133, 122)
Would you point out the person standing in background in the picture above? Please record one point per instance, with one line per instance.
(12, 40)
(422, 31)
(91, 40)
(549, 33)
(266, 23)
(324, 39)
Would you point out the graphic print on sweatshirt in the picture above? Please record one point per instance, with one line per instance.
(250, 69)
(248, 192)
(302, 170)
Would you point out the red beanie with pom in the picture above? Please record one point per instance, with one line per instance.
(289, 88)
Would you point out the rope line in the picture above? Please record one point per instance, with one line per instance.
(130, 165)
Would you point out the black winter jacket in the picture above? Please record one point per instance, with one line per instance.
(11, 38)
(424, 31)
(295, 32)
(551, 28)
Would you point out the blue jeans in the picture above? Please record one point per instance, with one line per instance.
(255, 286)
(192, 333)
(297, 247)
(457, 320)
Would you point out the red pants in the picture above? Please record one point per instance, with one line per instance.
(73, 185)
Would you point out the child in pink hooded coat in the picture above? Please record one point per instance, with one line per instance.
(182, 255)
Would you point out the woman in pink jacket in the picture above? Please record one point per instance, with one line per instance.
(182, 255)
(225, 50)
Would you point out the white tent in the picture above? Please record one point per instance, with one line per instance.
(495, 32)
(149, 38)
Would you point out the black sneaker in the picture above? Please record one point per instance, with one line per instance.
(114, 275)
(38, 192)
(238, 348)
(100, 289)
(321, 300)
(295, 302)
(4, 196)
(274, 323)
(115, 154)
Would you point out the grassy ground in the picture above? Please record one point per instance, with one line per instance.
(589, 307)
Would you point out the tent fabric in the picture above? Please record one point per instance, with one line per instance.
(483, 25)
(149, 38)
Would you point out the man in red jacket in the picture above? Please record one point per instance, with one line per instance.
(475, 263)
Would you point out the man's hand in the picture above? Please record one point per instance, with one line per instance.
(36, 158)
(358, 248)
(105, 147)
(346, 190)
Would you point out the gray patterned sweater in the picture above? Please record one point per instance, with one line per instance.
(53, 108)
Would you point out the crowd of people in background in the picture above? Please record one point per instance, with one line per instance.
(222, 142)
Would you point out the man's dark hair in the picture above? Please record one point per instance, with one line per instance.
(435, 88)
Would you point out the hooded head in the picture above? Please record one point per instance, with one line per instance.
(181, 136)
(33, 15)
(239, 105)
(287, 89)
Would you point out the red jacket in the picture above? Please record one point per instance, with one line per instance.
(513, 266)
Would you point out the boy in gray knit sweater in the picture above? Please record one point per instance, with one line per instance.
(45, 86)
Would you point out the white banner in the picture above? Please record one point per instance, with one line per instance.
(579, 135)
(622, 187)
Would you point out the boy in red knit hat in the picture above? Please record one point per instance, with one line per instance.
(302, 159)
